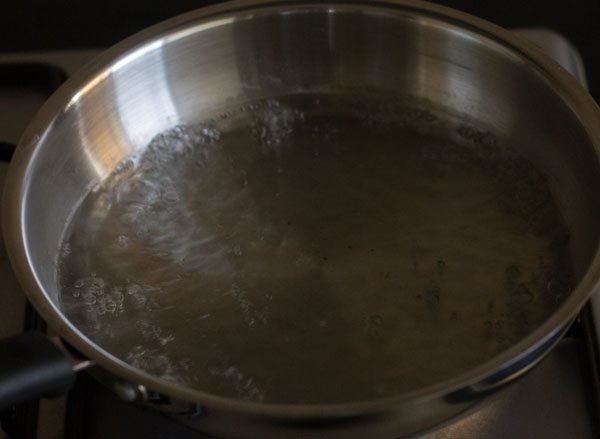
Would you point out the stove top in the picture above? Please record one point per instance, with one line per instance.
(558, 399)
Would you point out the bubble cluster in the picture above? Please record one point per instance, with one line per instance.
(258, 254)
(273, 122)
(96, 297)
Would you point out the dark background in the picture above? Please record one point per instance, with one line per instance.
(56, 24)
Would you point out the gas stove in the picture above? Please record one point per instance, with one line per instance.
(558, 399)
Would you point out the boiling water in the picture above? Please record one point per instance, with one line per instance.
(315, 249)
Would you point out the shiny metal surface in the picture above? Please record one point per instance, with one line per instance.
(180, 70)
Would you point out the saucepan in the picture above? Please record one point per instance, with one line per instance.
(302, 218)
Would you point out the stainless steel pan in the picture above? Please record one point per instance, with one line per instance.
(235, 53)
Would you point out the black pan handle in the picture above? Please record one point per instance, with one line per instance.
(32, 366)
(6, 151)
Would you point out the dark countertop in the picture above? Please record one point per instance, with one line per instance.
(42, 24)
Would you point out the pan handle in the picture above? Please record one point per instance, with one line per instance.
(32, 366)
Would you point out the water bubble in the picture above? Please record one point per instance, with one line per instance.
(170, 195)
(210, 133)
(274, 122)
(66, 249)
(110, 306)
